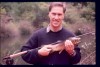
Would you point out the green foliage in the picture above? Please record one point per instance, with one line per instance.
(79, 11)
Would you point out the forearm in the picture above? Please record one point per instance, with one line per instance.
(31, 56)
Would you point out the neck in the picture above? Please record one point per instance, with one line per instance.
(55, 29)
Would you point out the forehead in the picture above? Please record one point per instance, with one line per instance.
(57, 9)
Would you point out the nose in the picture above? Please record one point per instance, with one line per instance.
(56, 16)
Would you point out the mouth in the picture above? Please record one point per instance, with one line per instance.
(55, 22)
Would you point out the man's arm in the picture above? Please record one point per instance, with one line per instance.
(76, 56)
(74, 51)
(31, 56)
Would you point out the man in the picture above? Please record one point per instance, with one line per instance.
(53, 33)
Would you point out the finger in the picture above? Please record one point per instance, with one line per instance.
(49, 51)
(69, 46)
(68, 43)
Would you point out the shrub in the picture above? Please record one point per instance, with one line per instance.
(25, 28)
(9, 30)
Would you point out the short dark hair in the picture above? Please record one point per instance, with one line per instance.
(61, 4)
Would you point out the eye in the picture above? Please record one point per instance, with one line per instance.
(59, 14)
(53, 13)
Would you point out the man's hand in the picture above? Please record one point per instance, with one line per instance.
(69, 47)
(45, 50)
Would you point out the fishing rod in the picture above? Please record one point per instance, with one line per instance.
(57, 46)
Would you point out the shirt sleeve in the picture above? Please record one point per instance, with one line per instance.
(76, 58)
(32, 56)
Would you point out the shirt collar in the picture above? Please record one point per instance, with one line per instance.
(50, 28)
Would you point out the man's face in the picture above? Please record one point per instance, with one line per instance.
(56, 16)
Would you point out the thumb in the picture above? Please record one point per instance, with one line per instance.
(50, 50)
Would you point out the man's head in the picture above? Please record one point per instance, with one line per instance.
(56, 13)
(60, 4)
